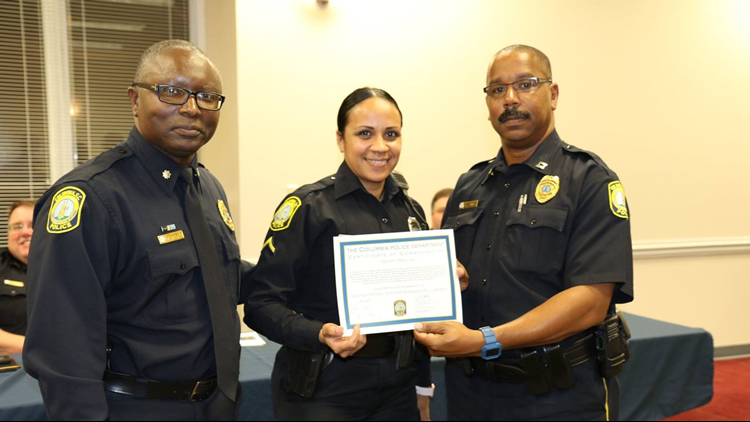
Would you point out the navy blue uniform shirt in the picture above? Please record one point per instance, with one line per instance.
(294, 286)
(101, 275)
(520, 251)
(12, 294)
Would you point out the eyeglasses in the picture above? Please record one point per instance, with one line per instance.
(18, 226)
(523, 86)
(178, 96)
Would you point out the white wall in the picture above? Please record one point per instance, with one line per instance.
(657, 88)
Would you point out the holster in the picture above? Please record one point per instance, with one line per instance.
(408, 350)
(304, 369)
(612, 345)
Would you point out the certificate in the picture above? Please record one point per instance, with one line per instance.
(388, 282)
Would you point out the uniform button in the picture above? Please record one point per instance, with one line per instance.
(484, 282)
(533, 222)
(385, 221)
(455, 226)
(183, 265)
(489, 247)
(507, 185)
(122, 151)
(497, 213)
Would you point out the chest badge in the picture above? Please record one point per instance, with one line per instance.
(547, 188)
(225, 215)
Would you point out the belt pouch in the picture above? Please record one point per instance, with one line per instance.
(534, 372)
(562, 371)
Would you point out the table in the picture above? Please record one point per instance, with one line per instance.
(670, 371)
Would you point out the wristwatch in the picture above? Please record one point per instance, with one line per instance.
(492, 349)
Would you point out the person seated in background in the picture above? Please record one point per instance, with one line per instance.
(13, 261)
(439, 201)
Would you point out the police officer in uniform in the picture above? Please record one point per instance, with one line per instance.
(13, 261)
(318, 374)
(544, 229)
(125, 278)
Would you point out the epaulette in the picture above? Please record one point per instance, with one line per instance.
(321, 184)
(482, 164)
(97, 165)
(575, 150)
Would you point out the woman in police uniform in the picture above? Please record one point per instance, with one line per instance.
(13, 262)
(293, 299)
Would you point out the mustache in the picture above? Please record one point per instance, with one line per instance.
(513, 112)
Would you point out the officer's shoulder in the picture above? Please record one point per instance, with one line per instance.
(588, 157)
(481, 165)
(311, 190)
(96, 165)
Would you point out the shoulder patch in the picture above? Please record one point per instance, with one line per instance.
(65, 211)
(283, 217)
(617, 202)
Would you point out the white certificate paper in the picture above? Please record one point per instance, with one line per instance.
(388, 282)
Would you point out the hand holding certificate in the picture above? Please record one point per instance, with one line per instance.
(388, 282)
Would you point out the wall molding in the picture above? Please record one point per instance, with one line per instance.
(690, 247)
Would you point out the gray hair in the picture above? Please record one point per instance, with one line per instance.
(160, 48)
(546, 66)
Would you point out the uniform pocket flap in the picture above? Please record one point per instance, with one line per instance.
(174, 258)
(535, 216)
(464, 218)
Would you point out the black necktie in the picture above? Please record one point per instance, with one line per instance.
(220, 305)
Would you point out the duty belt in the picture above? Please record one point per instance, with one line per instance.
(146, 389)
(544, 367)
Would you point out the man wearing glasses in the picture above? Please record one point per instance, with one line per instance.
(13, 261)
(544, 229)
(136, 269)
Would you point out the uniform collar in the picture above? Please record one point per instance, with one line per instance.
(347, 182)
(162, 169)
(6, 256)
(540, 161)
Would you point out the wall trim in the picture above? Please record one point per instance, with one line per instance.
(731, 352)
(690, 247)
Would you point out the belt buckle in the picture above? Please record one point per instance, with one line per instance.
(195, 390)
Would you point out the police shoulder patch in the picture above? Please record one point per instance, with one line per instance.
(283, 217)
(617, 202)
(65, 211)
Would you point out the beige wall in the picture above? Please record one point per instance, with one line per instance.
(657, 88)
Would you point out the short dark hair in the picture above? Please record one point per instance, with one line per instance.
(18, 204)
(159, 48)
(546, 65)
(356, 97)
(441, 194)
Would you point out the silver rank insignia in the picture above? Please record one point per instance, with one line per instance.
(547, 188)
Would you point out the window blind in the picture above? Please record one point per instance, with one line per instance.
(105, 41)
(24, 160)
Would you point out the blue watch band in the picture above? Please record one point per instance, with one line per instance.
(492, 349)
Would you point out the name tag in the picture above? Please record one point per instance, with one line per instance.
(13, 283)
(468, 205)
(171, 237)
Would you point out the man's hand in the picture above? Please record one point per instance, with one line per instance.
(332, 335)
(450, 339)
(463, 276)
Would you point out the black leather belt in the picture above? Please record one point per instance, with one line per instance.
(146, 389)
(511, 370)
(377, 346)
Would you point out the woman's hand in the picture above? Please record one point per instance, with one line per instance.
(332, 335)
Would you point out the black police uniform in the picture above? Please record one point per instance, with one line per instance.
(100, 276)
(520, 252)
(294, 294)
(12, 294)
